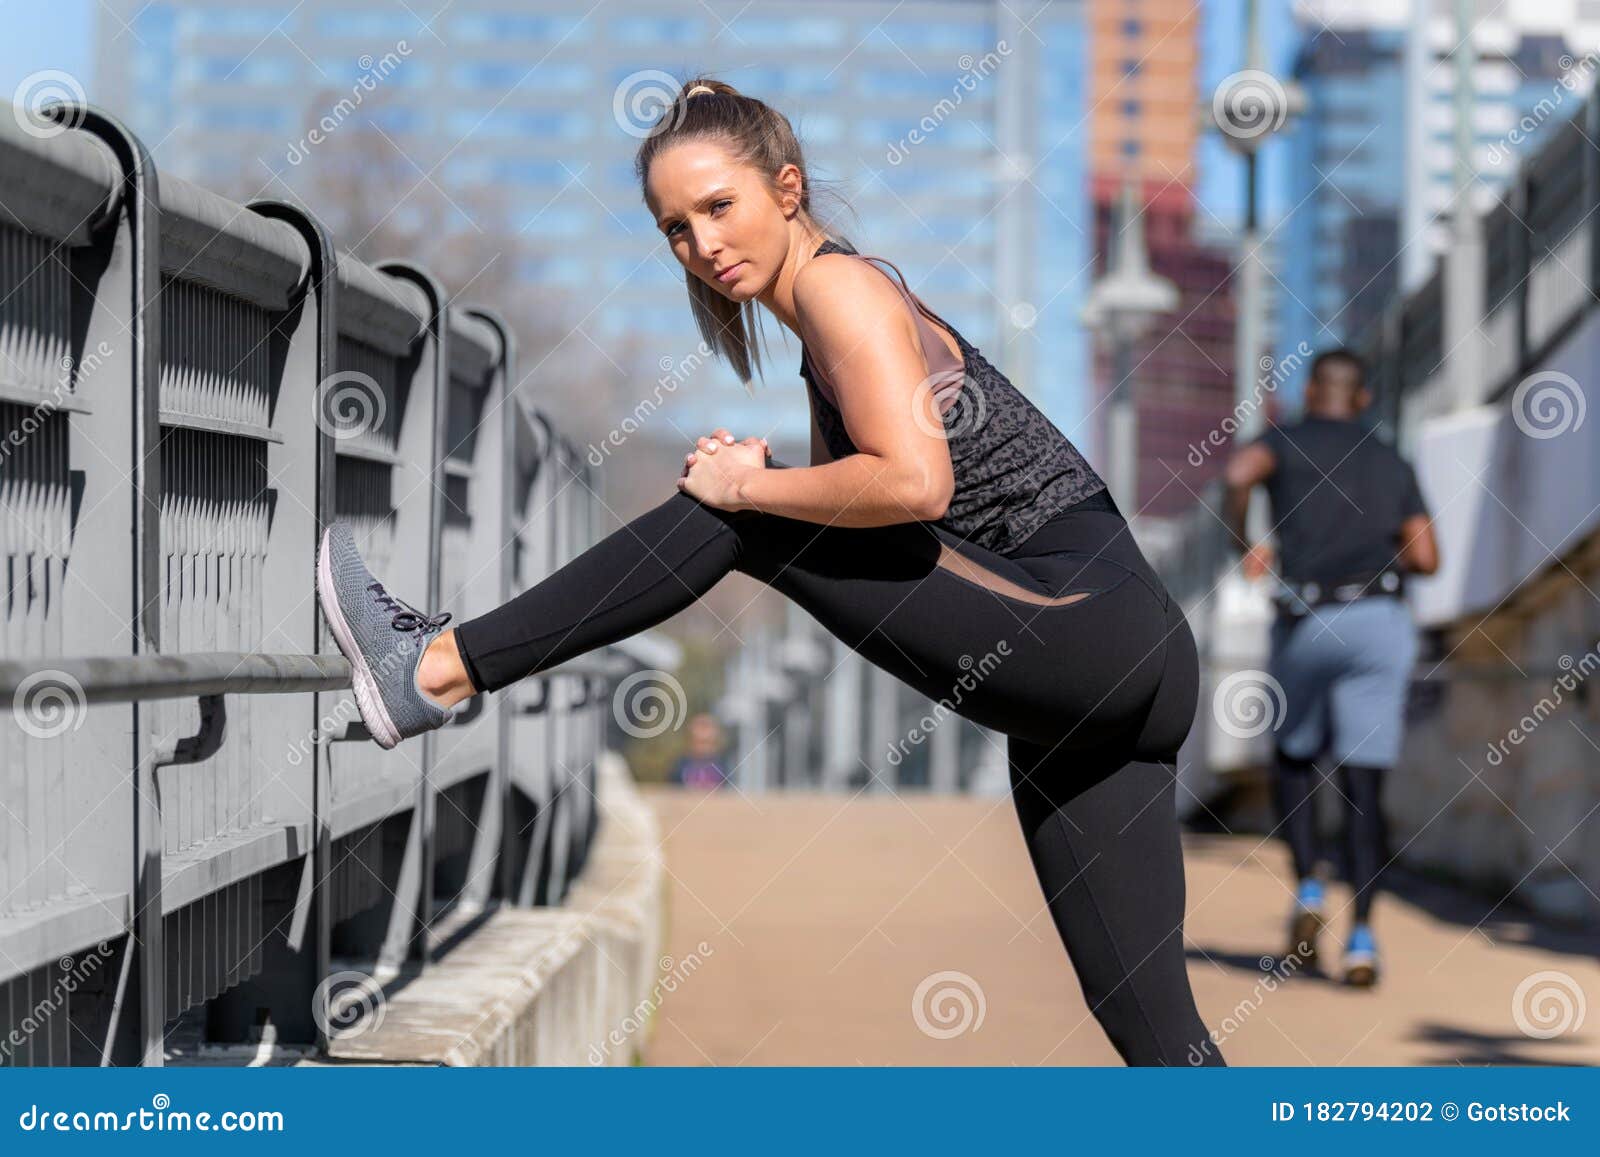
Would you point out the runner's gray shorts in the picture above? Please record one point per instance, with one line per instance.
(1344, 669)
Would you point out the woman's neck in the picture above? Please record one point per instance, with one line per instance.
(780, 298)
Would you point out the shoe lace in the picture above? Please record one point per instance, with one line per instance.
(406, 617)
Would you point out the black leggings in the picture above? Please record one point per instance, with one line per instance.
(1069, 645)
(1366, 834)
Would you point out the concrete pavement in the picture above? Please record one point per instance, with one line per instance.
(911, 931)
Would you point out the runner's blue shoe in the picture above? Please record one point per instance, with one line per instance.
(382, 637)
(1361, 957)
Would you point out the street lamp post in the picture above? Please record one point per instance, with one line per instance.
(1248, 107)
(1120, 308)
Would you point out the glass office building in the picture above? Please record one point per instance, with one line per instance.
(957, 130)
(1373, 177)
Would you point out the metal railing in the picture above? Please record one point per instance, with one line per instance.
(1540, 271)
(190, 390)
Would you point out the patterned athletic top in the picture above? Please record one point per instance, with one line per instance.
(1014, 469)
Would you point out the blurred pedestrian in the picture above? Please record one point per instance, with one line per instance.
(700, 766)
(1351, 524)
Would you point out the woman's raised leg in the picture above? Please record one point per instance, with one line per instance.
(1052, 648)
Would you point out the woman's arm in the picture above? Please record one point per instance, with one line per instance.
(854, 323)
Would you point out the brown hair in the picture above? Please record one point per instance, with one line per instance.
(756, 134)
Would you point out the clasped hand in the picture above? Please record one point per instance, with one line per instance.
(714, 470)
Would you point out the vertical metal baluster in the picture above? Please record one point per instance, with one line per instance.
(33, 645)
(52, 449)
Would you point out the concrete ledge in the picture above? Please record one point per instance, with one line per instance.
(539, 986)
(208, 867)
(42, 936)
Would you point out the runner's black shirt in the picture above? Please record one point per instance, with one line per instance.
(1338, 496)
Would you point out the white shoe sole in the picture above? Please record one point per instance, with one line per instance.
(368, 701)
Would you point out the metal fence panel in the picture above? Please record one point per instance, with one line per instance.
(220, 380)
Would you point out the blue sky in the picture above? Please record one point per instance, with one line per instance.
(57, 34)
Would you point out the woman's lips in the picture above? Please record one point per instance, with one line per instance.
(730, 273)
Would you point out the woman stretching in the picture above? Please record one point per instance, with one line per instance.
(942, 518)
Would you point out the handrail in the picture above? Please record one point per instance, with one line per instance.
(134, 678)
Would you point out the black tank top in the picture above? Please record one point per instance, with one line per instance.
(1014, 469)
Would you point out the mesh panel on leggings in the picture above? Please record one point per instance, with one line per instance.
(963, 567)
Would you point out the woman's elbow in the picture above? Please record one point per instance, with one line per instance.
(934, 509)
(932, 499)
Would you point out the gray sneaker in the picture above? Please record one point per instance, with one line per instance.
(382, 637)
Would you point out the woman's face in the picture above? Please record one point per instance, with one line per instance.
(718, 216)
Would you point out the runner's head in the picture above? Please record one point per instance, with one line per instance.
(1337, 387)
(728, 186)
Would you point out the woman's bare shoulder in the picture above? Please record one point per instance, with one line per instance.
(841, 297)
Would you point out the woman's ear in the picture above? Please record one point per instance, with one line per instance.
(790, 182)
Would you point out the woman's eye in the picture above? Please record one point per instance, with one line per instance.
(715, 205)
